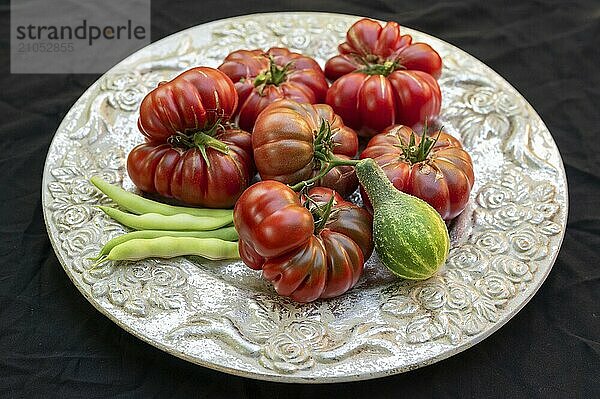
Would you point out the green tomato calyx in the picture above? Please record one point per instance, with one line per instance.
(274, 75)
(324, 143)
(415, 153)
(323, 155)
(378, 67)
(320, 212)
(201, 140)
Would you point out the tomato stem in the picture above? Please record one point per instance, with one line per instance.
(320, 213)
(204, 140)
(323, 143)
(201, 140)
(414, 153)
(381, 68)
(275, 75)
(323, 153)
(326, 166)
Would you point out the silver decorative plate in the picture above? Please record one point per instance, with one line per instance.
(224, 316)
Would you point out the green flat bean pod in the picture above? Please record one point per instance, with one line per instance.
(225, 233)
(171, 247)
(155, 221)
(140, 205)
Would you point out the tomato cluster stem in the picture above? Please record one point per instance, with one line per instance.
(323, 153)
(326, 166)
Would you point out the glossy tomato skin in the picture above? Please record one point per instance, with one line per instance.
(321, 264)
(284, 144)
(444, 180)
(183, 174)
(194, 100)
(374, 43)
(304, 81)
(270, 217)
(370, 100)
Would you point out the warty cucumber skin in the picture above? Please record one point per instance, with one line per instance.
(407, 238)
(410, 237)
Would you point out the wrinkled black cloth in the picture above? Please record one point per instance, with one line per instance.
(53, 343)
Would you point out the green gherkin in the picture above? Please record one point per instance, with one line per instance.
(410, 237)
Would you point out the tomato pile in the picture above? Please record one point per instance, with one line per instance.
(209, 130)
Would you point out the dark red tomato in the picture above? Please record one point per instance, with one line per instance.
(270, 216)
(309, 249)
(214, 179)
(192, 101)
(382, 78)
(291, 139)
(264, 77)
(437, 171)
(191, 152)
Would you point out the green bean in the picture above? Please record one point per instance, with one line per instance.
(170, 247)
(140, 205)
(225, 233)
(154, 221)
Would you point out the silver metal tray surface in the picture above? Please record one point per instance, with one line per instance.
(222, 315)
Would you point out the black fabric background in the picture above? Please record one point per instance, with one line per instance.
(53, 343)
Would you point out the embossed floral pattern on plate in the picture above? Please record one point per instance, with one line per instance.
(223, 315)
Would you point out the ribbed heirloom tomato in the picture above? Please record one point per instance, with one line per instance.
(382, 78)
(309, 248)
(292, 142)
(434, 168)
(191, 152)
(264, 77)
